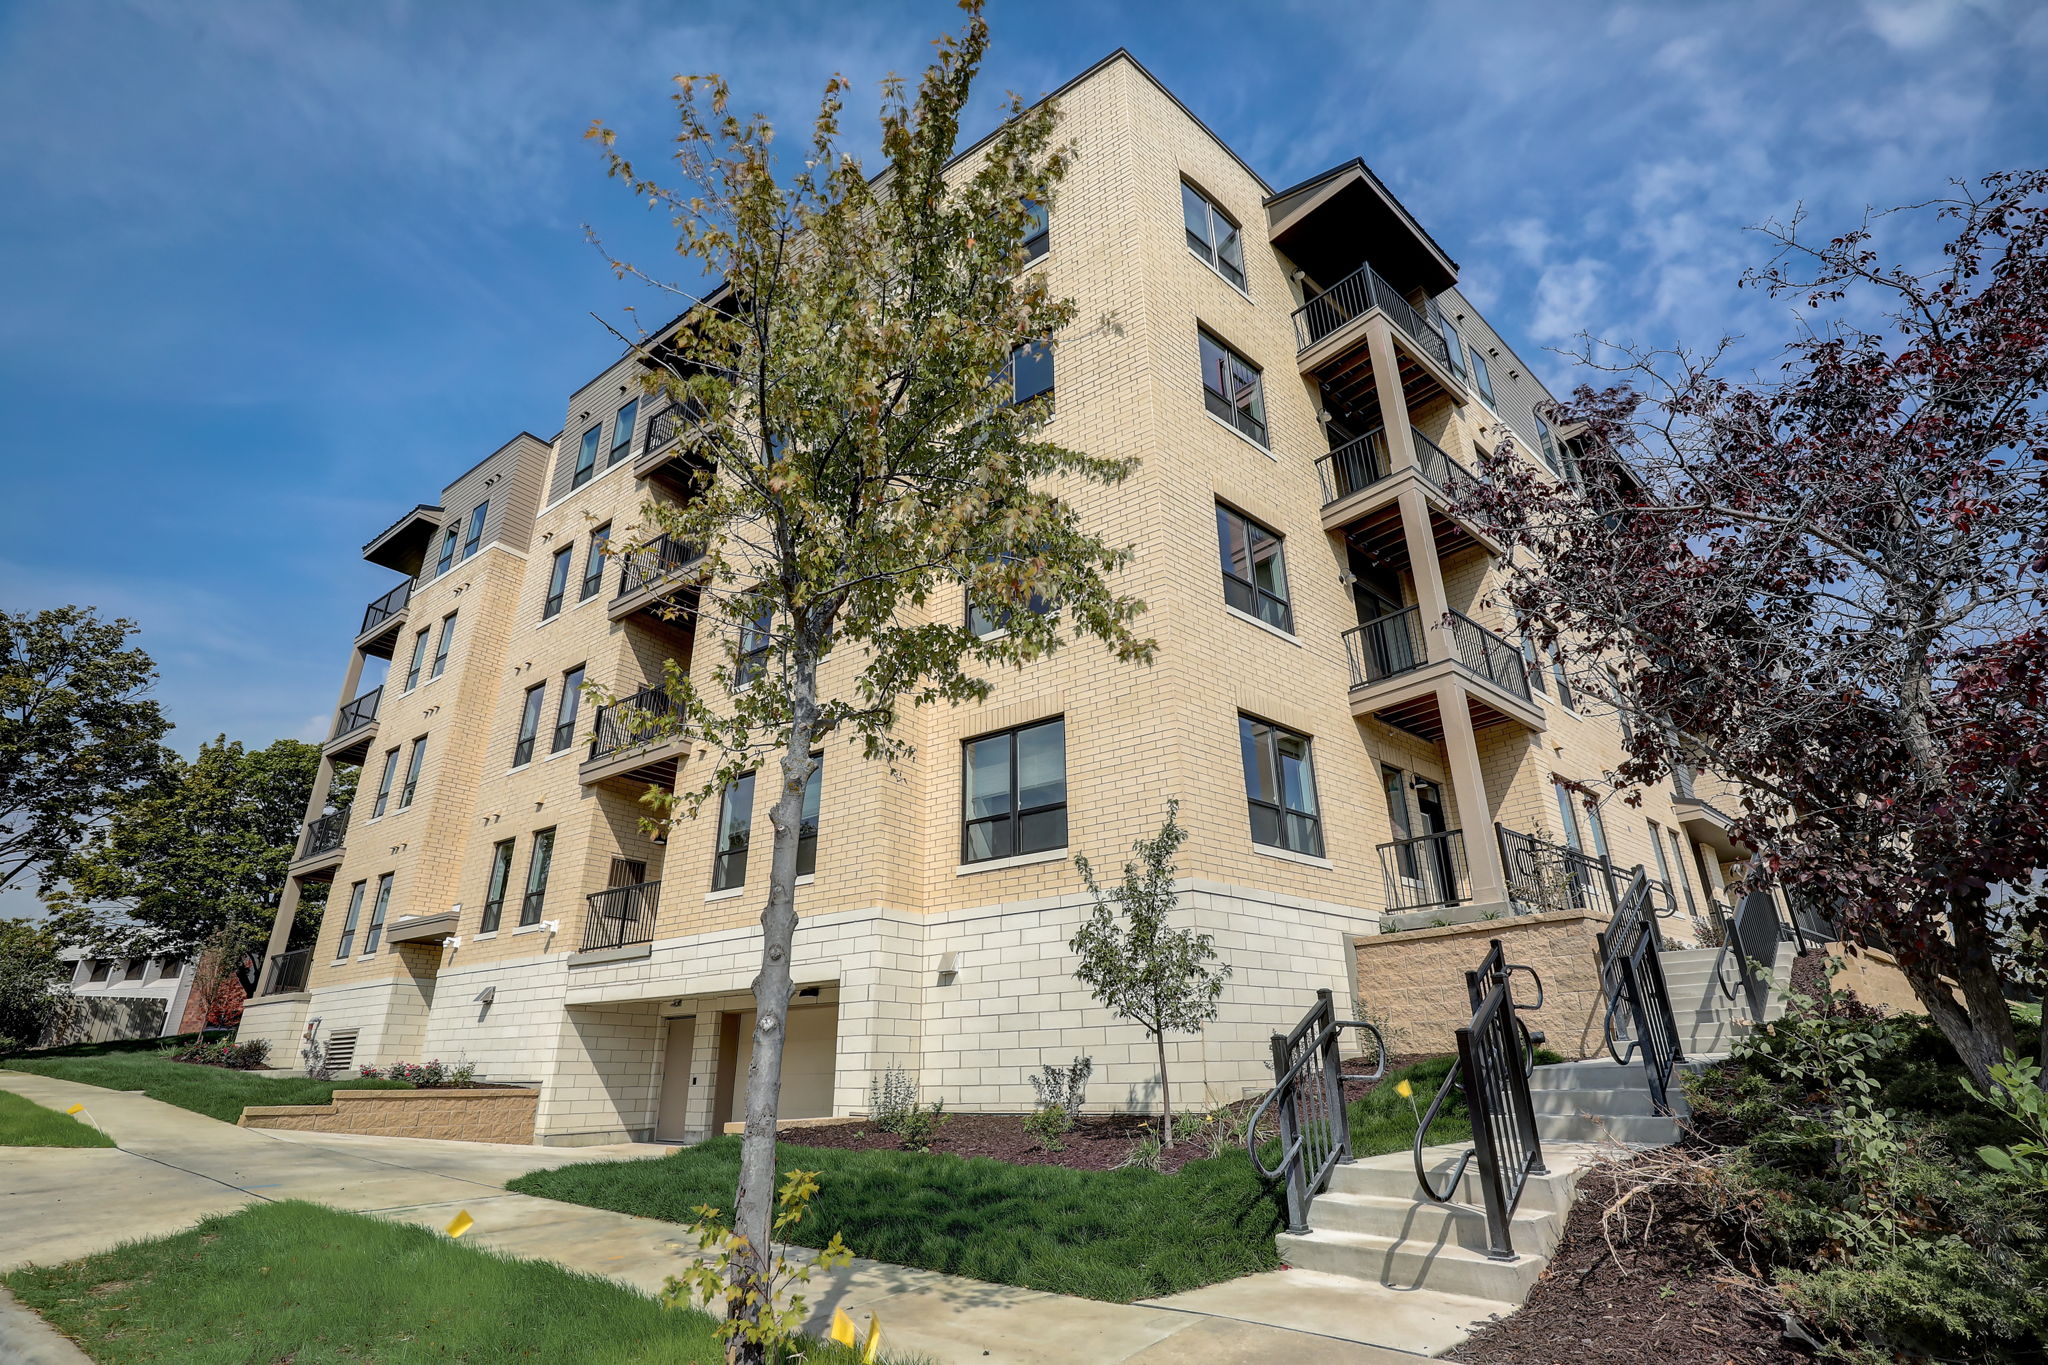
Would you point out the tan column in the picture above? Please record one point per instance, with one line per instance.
(323, 779)
(1428, 575)
(1468, 781)
(281, 926)
(1386, 383)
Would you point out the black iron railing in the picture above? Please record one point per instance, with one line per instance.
(630, 720)
(1639, 1021)
(325, 834)
(386, 607)
(1496, 1053)
(1427, 870)
(1546, 876)
(1386, 646)
(1307, 1105)
(651, 563)
(286, 973)
(1491, 657)
(1752, 951)
(1355, 295)
(621, 915)
(1354, 466)
(357, 713)
(1440, 469)
(671, 422)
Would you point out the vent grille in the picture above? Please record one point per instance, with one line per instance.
(341, 1049)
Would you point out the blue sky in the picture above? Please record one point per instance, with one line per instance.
(275, 271)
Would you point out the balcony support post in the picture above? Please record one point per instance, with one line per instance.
(1468, 782)
(1386, 383)
(287, 915)
(1424, 569)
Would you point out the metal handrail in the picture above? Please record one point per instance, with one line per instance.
(1488, 655)
(1354, 466)
(630, 721)
(1311, 1115)
(386, 607)
(325, 834)
(1632, 976)
(1355, 295)
(1753, 942)
(1550, 876)
(621, 915)
(287, 972)
(1439, 468)
(1386, 646)
(1428, 869)
(357, 713)
(657, 560)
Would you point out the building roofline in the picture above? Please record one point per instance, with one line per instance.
(1357, 163)
(527, 435)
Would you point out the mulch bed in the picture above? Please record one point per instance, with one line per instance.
(1668, 1299)
(1099, 1142)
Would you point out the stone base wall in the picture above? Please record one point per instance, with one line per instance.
(463, 1115)
(1876, 979)
(1412, 984)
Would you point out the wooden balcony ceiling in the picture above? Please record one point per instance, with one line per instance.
(1421, 716)
(1347, 376)
(1379, 536)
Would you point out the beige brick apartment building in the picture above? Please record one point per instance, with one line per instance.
(1343, 714)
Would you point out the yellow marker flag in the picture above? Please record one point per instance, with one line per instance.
(842, 1328)
(1403, 1089)
(460, 1224)
(76, 1108)
(867, 1355)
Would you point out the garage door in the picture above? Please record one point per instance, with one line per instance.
(807, 1063)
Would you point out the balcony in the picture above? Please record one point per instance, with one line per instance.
(286, 973)
(635, 740)
(667, 457)
(658, 579)
(382, 620)
(1395, 672)
(621, 917)
(1330, 335)
(1427, 870)
(354, 727)
(321, 847)
(1362, 487)
(1702, 807)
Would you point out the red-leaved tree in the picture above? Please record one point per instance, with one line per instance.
(1827, 583)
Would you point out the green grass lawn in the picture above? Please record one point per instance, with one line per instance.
(1112, 1235)
(315, 1286)
(210, 1090)
(24, 1123)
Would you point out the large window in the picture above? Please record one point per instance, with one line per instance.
(565, 710)
(419, 659)
(593, 562)
(1254, 569)
(586, 456)
(558, 583)
(755, 638)
(447, 555)
(476, 528)
(412, 772)
(537, 864)
(347, 944)
(622, 431)
(1546, 443)
(494, 891)
(1280, 786)
(1232, 389)
(377, 913)
(1452, 347)
(1030, 371)
(807, 831)
(1016, 792)
(1481, 376)
(447, 643)
(735, 830)
(1568, 816)
(1038, 233)
(384, 783)
(1212, 235)
(529, 725)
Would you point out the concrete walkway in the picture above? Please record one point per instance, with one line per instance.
(175, 1167)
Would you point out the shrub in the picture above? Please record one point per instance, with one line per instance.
(1061, 1091)
(424, 1075)
(221, 1052)
(893, 1104)
(1048, 1124)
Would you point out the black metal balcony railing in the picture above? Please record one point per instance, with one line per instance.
(1355, 295)
(287, 972)
(1386, 646)
(629, 720)
(1354, 466)
(671, 422)
(1440, 469)
(386, 607)
(1429, 869)
(325, 834)
(658, 559)
(621, 916)
(357, 713)
(1491, 657)
(1543, 876)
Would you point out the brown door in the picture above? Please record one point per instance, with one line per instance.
(671, 1117)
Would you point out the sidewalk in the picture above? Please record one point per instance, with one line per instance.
(175, 1167)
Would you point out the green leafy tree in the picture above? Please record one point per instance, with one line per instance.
(862, 462)
(198, 857)
(32, 982)
(77, 732)
(1143, 970)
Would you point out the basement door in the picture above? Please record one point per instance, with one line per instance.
(671, 1117)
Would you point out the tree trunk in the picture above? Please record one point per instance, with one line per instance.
(754, 1199)
(1980, 1028)
(1165, 1091)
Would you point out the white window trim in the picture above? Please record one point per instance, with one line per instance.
(729, 893)
(538, 925)
(1288, 855)
(1232, 429)
(1050, 855)
(1266, 626)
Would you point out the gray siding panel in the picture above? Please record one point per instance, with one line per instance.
(1517, 393)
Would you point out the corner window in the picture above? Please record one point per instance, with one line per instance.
(586, 456)
(1030, 371)
(622, 431)
(735, 831)
(1547, 444)
(558, 583)
(1481, 376)
(347, 943)
(807, 831)
(1280, 787)
(593, 562)
(494, 891)
(447, 555)
(1232, 389)
(384, 783)
(1454, 350)
(1038, 232)
(447, 643)
(1016, 792)
(529, 725)
(1254, 569)
(537, 864)
(565, 709)
(419, 660)
(476, 528)
(412, 772)
(377, 913)
(1212, 234)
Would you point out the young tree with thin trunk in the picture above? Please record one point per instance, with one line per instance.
(862, 465)
(1829, 586)
(1167, 980)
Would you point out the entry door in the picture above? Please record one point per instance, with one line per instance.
(671, 1118)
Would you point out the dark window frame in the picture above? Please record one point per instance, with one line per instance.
(374, 935)
(1287, 822)
(757, 638)
(1247, 419)
(345, 945)
(494, 889)
(1038, 350)
(1037, 239)
(475, 537)
(442, 648)
(1482, 374)
(418, 664)
(540, 862)
(384, 782)
(1209, 245)
(807, 825)
(982, 622)
(446, 559)
(593, 563)
(567, 706)
(1010, 821)
(1248, 595)
(623, 423)
(558, 583)
(733, 839)
(586, 455)
(529, 724)
(413, 764)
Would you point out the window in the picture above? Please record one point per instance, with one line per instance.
(494, 892)
(1657, 847)
(447, 557)
(170, 965)
(755, 638)
(984, 621)
(537, 864)
(593, 563)
(1683, 882)
(1480, 374)
(735, 829)
(529, 725)
(558, 583)
(1452, 347)
(1038, 233)
(1546, 443)
(1030, 371)
(1568, 815)
(622, 431)
(1254, 569)
(1597, 828)
(1231, 388)
(447, 643)
(1620, 700)
(565, 710)
(377, 913)
(1564, 687)
(807, 830)
(1212, 234)
(586, 457)
(384, 783)
(1533, 666)
(102, 968)
(476, 528)
(348, 925)
(419, 659)
(412, 772)
(136, 969)
(1016, 792)
(1280, 785)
